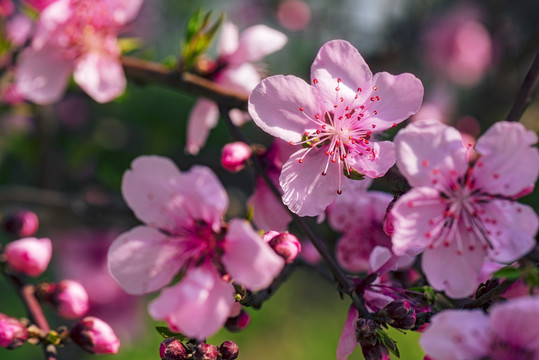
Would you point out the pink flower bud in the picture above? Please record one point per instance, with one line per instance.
(172, 349)
(95, 336)
(229, 350)
(70, 299)
(206, 352)
(12, 333)
(235, 155)
(239, 322)
(284, 244)
(22, 223)
(29, 256)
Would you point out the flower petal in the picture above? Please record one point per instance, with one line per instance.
(347, 341)
(256, 42)
(306, 191)
(42, 75)
(202, 118)
(242, 78)
(430, 153)
(400, 96)
(338, 59)
(375, 166)
(268, 210)
(124, 11)
(228, 42)
(144, 260)
(509, 161)
(275, 106)
(198, 305)
(248, 259)
(100, 76)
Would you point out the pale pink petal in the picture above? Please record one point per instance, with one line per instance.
(144, 260)
(256, 42)
(381, 260)
(238, 117)
(456, 274)
(352, 252)
(124, 11)
(338, 59)
(198, 305)
(228, 42)
(347, 211)
(275, 106)
(347, 341)
(268, 210)
(202, 118)
(511, 228)
(19, 29)
(399, 97)
(241, 78)
(377, 162)
(412, 213)
(52, 18)
(430, 153)
(42, 75)
(306, 191)
(515, 322)
(152, 191)
(509, 161)
(248, 259)
(457, 335)
(100, 76)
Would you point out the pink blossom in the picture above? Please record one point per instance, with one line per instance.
(236, 55)
(235, 155)
(185, 232)
(294, 15)
(461, 215)
(12, 333)
(339, 114)
(80, 37)
(95, 336)
(29, 256)
(509, 331)
(70, 299)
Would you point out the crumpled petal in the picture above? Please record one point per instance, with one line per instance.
(202, 118)
(144, 260)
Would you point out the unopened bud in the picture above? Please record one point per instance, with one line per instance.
(376, 352)
(70, 299)
(238, 323)
(29, 256)
(12, 333)
(284, 244)
(206, 352)
(366, 332)
(235, 155)
(398, 309)
(406, 323)
(95, 336)
(229, 350)
(22, 223)
(172, 349)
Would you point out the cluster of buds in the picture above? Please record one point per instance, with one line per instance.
(172, 349)
(399, 313)
(367, 336)
(284, 244)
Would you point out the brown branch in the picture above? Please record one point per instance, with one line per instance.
(523, 98)
(489, 295)
(151, 72)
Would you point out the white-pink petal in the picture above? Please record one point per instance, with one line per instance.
(375, 166)
(248, 259)
(256, 42)
(268, 210)
(124, 11)
(241, 78)
(144, 260)
(202, 118)
(228, 42)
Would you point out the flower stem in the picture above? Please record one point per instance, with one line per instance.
(523, 98)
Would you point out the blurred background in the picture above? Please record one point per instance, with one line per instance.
(65, 161)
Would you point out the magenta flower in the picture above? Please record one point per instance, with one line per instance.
(70, 299)
(509, 331)
(95, 336)
(334, 120)
(237, 72)
(12, 333)
(462, 215)
(80, 37)
(185, 233)
(29, 256)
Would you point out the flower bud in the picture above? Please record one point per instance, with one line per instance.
(238, 323)
(284, 244)
(406, 323)
(172, 349)
(229, 350)
(22, 223)
(70, 299)
(398, 309)
(95, 336)
(376, 352)
(29, 256)
(206, 352)
(234, 156)
(366, 332)
(12, 333)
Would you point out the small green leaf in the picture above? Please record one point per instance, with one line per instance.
(250, 214)
(354, 175)
(508, 272)
(129, 44)
(389, 343)
(167, 333)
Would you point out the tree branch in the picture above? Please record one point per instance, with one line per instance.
(523, 98)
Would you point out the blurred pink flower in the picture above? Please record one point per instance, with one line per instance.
(12, 333)
(39, 5)
(80, 37)
(235, 155)
(70, 299)
(460, 216)
(339, 113)
(509, 331)
(29, 256)
(459, 46)
(18, 29)
(6, 8)
(294, 15)
(185, 233)
(236, 55)
(95, 336)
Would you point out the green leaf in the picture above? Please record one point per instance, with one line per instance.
(389, 343)
(166, 333)
(129, 44)
(508, 272)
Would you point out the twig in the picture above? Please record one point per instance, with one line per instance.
(523, 98)
(489, 295)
